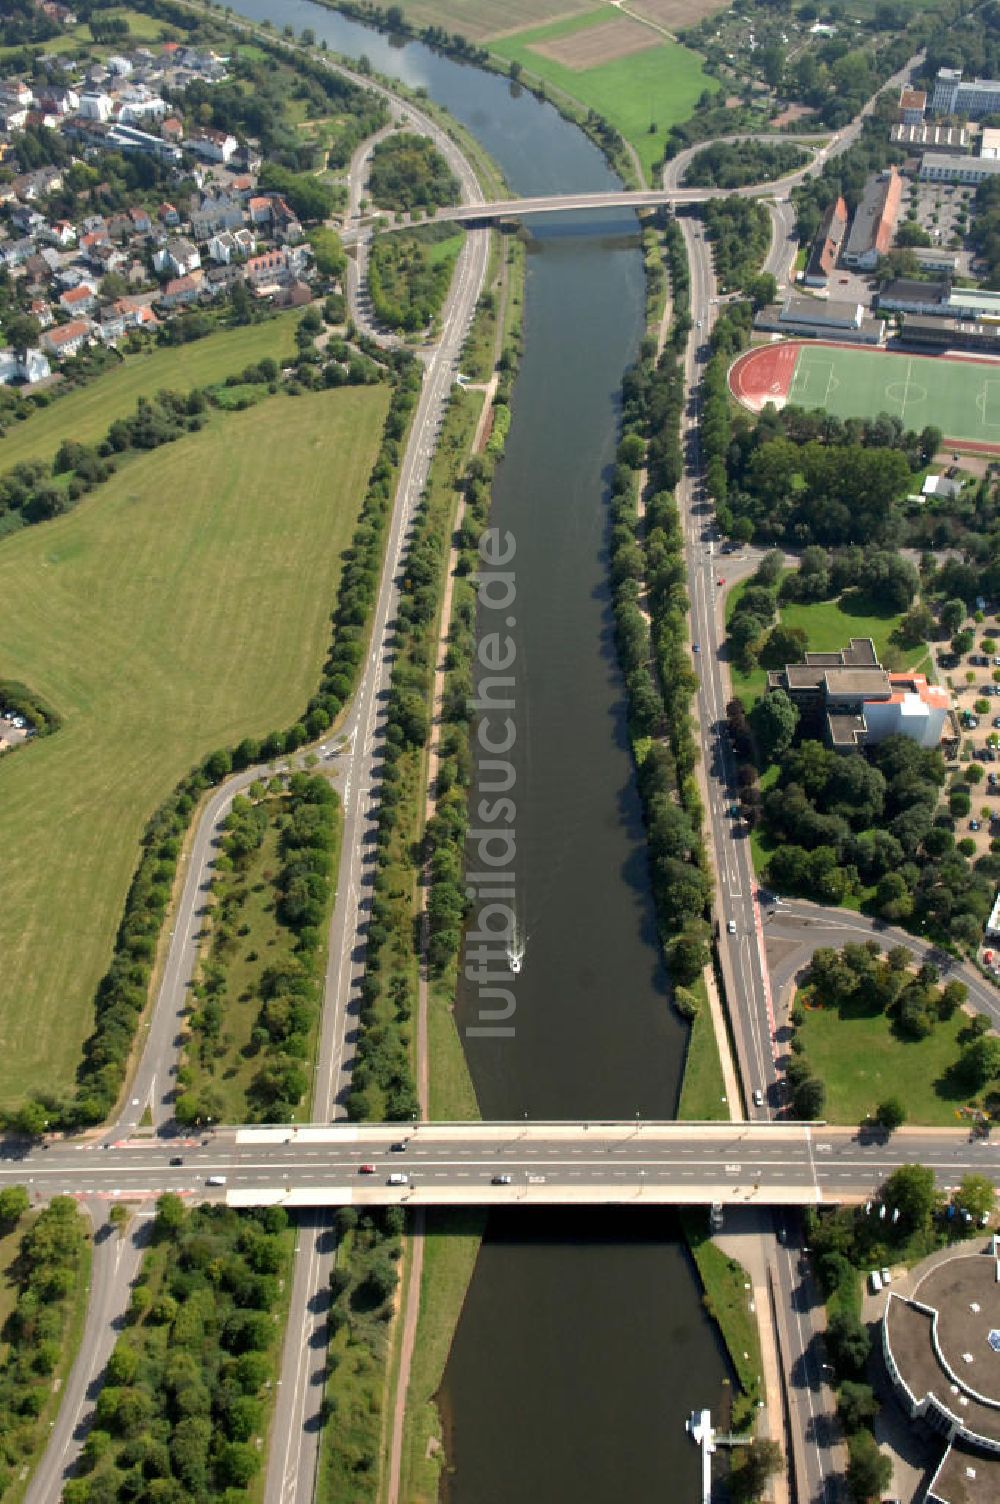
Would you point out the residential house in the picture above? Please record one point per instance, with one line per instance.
(273, 270)
(37, 272)
(213, 145)
(178, 256)
(136, 314)
(13, 117)
(61, 101)
(181, 290)
(109, 324)
(121, 67)
(139, 105)
(41, 311)
(16, 252)
(26, 220)
(16, 91)
(141, 222)
(216, 212)
(232, 245)
(169, 215)
(66, 339)
(260, 210)
(96, 105)
(61, 234)
(29, 366)
(30, 186)
(79, 299)
(172, 130)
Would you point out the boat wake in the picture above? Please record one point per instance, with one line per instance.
(515, 949)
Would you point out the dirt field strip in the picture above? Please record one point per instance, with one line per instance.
(605, 43)
(675, 15)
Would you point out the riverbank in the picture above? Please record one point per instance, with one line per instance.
(445, 1251)
(619, 153)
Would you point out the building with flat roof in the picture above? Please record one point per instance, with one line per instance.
(818, 318)
(912, 106)
(948, 167)
(928, 137)
(942, 1352)
(973, 98)
(989, 142)
(951, 334)
(859, 702)
(908, 295)
(874, 221)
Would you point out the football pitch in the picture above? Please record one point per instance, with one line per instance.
(961, 397)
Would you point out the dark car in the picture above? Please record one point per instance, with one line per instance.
(501, 1180)
(176, 1160)
(400, 1147)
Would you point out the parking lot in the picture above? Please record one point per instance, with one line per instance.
(14, 730)
(939, 208)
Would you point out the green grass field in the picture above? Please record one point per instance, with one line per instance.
(87, 413)
(182, 606)
(863, 1062)
(828, 625)
(703, 1090)
(960, 397)
(659, 85)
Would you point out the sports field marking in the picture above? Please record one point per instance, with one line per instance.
(803, 385)
(906, 391)
(984, 399)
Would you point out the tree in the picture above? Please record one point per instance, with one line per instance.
(869, 1469)
(979, 1062)
(890, 1114)
(856, 1405)
(810, 1098)
(847, 1342)
(170, 1214)
(953, 614)
(119, 1216)
(774, 720)
(910, 1189)
(756, 1466)
(22, 331)
(14, 1202)
(976, 1195)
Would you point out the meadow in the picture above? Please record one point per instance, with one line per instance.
(182, 606)
(87, 413)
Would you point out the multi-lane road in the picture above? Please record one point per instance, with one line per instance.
(773, 1163)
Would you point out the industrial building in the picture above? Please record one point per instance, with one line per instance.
(973, 98)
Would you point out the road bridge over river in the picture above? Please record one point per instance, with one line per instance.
(471, 1164)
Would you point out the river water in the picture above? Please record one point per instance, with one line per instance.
(583, 1344)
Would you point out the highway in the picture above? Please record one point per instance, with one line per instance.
(321, 1165)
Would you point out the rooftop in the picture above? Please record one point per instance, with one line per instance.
(965, 1477)
(941, 1341)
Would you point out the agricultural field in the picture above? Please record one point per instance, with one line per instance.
(479, 20)
(629, 73)
(675, 15)
(181, 606)
(87, 413)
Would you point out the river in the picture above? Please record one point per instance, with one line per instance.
(583, 1344)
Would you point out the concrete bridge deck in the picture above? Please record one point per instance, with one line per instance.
(458, 1164)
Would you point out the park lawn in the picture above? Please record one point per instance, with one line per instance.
(87, 413)
(828, 625)
(446, 250)
(659, 85)
(182, 606)
(863, 1061)
(142, 28)
(703, 1090)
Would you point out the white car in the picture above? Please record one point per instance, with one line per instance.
(731, 926)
